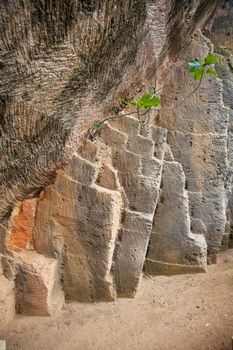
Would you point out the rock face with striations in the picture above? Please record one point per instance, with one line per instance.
(82, 219)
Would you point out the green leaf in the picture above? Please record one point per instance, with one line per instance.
(193, 69)
(197, 73)
(148, 100)
(155, 101)
(211, 59)
(200, 68)
(212, 72)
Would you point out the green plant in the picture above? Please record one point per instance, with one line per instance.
(201, 68)
(198, 68)
(148, 100)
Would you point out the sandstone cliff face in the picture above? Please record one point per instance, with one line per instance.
(79, 219)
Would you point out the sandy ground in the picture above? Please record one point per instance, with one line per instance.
(180, 312)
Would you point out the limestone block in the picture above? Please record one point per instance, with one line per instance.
(206, 167)
(140, 145)
(159, 136)
(210, 209)
(173, 248)
(141, 192)
(38, 289)
(83, 222)
(140, 176)
(80, 223)
(88, 150)
(128, 124)
(107, 177)
(130, 252)
(7, 292)
(198, 139)
(126, 161)
(113, 137)
(89, 246)
(152, 168)
(81, 170)
(7, 283)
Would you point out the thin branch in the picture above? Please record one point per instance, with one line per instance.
(155, 91)
(124, 115)
(184, 99)
(193, 92)
(95, 133)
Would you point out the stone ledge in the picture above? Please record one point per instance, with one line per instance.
(153, 267)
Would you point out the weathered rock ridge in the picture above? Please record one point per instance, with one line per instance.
(82, 219)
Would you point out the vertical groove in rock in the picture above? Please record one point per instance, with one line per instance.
(200, 128)
(173, 247)
(223, 44)
(79, 216)
(140, 174)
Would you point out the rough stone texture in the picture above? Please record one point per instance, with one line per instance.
(59, 61)
(200, 127)
(140, 175)
(38, 291)
(29, 281)
(223, 43)
(96, 219)
(7, 285)
(22, 226)
(77, 223)
(102, 205)
(173, 248)
(7, 292)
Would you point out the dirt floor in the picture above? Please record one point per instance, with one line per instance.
(180, 312)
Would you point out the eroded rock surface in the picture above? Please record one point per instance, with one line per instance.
(80, 219)
(7, 291)
(38, 289)
(97, 218)
(173, 247)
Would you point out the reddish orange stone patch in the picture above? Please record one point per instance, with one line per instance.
(22, 227)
